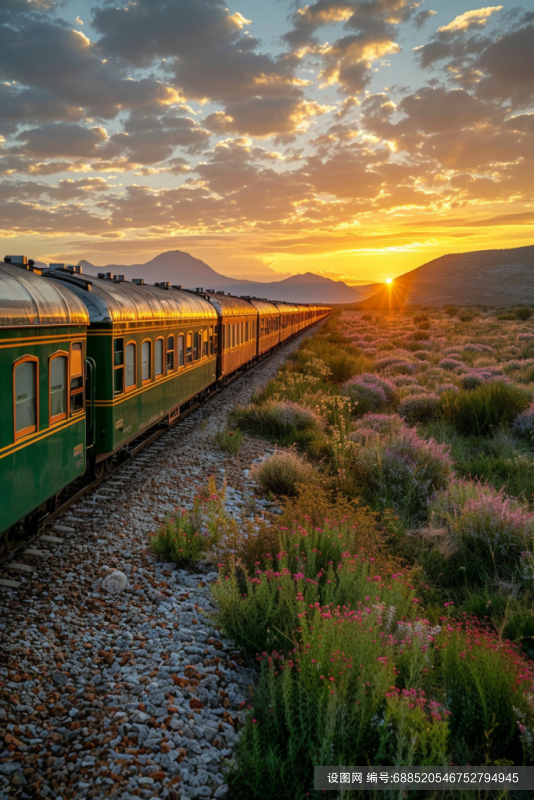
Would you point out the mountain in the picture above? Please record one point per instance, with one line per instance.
(179, 268)
(174, 266)
(482, 277)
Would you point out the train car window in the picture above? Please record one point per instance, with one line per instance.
(131, 366)
(238, 334)
(77, 403)
(204, 344)
(118, 366)
(159, 358)
(26, 398)
(170, 353)
(215, 341)
(58, 372)
(196, 348)
(146, 361)
(181, 352)
(212, 343)
(189, 350)
(246, 332)
(233, 335)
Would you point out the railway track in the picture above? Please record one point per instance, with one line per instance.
(72, 494)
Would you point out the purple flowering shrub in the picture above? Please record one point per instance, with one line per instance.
(420, 407)
(370, 392)
(523, 425)
(441, 388)
(398, 469)
(365, 397)
(395, 365)
(487, 535)
(379, 423)
(452, 365)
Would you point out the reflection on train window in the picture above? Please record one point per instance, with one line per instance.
(196, 348)
(246, 332)
(25, 378)
(238, 337)
(58, 387)
(212, 344)
(180, 351)
(189, 351)
(159, 358)
(204, 344)
(131, 366)
(170, 353)
(76, 379)
(118, 366)
(233, 335)
(146, 361)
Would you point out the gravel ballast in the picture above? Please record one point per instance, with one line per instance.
(113, 679)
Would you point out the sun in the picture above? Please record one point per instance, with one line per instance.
(389, 280)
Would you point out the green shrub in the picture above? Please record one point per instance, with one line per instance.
(186, 535)
(451, 311)
(280, 421)
(282, 474)
(485, 695)
(229, 441)
(259, 611)
(507, 317)
(523, 313)
(484, 409)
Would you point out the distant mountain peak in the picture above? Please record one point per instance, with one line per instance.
(181, 268)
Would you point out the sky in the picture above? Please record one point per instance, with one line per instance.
(356, 139)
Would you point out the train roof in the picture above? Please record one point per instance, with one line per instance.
(264, 306)
(28, 299)
(229, 306)
(287, 308)
(121, 301)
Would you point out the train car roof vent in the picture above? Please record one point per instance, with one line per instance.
(101, 275)
(179, 287)
(19, 261)
(109, 276)
(138, 281)
(118, 278)
(220, 292)
(163, 285)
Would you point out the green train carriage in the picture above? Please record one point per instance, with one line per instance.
(155, 350)
(43, 332)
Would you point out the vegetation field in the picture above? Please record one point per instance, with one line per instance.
(388, 609)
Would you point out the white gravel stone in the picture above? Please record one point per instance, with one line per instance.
(115, 582)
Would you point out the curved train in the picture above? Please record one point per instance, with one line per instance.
(88, 364)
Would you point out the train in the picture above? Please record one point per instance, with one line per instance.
(88, 364)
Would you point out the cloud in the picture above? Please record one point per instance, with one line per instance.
(22, 106)
(66, 65)
(207, 55)
(470, 19)
(434, 109)
(371, 28)
(508, 67)
(65, 140)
